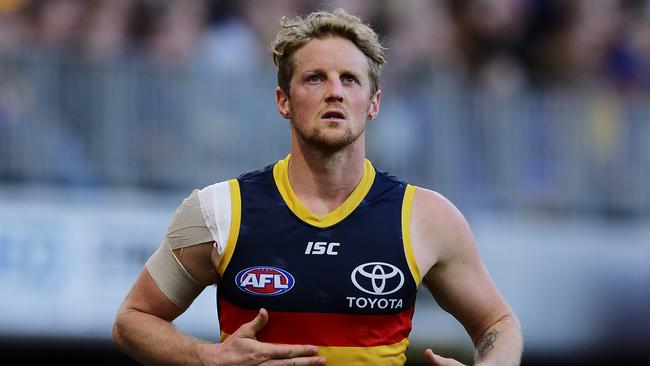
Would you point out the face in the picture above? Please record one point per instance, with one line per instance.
(329, 101)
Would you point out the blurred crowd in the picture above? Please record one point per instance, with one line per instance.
(499, 44)
(484, 97)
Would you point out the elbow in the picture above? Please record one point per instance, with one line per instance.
(117, 333)
(510, 321)
(511, 325)
(513, 322)
(507, 322)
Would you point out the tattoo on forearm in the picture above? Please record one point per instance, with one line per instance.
(487, 343)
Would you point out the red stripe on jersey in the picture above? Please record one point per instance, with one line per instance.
(321, 329)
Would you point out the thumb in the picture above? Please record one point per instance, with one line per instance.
(435, 360)
(430, 357)
(251, 328)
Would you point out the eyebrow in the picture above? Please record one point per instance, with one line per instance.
(321, 71)
(313, 71)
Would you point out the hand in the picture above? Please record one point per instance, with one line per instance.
(242, 348)
(435, 360)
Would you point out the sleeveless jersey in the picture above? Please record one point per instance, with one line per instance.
(345, 282)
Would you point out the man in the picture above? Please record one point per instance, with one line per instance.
(317, 257)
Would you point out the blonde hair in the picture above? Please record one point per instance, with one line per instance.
(298, 31)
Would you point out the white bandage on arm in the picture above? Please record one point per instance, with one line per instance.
(187, 228)
(171, 277)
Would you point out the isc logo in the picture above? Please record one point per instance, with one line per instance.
(264, 281)
(321, 247)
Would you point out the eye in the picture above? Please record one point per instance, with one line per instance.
(349, 79)
(313, 78)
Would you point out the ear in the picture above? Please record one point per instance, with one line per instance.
(373, 108)
(282, 101)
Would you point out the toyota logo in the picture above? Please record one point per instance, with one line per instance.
(377, 278)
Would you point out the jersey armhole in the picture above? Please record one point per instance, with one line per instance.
(407, 206)
(221, 209)
(235, 221)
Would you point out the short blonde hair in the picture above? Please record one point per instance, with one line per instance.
(298, 31)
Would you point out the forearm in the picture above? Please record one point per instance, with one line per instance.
(501, 344)
(154, 341)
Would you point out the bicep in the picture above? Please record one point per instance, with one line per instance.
(184, 264)
(171, 281)
(182, 274)
(145, 296)
(454, 273)
(463, 287)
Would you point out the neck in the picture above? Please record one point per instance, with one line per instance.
(322, 181)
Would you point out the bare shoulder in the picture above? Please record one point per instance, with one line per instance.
(428, 202)
(439, 230)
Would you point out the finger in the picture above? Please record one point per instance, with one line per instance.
(250, 329)
(430, 357)
(260, 320)
(298, 361)
(435, 360)
(287, 351)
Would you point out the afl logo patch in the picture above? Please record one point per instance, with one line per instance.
(264, 281)
(377, 278)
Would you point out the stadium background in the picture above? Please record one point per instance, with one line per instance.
(532, 116)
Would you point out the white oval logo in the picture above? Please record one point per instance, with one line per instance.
(264, 281)
(377, 278)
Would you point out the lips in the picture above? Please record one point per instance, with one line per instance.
(333, 115)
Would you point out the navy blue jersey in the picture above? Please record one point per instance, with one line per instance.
(345, 282)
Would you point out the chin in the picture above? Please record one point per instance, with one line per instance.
(330, 136)
(332, 140)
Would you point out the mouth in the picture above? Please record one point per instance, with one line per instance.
(333, 115)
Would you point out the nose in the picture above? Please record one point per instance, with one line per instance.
(334, 91)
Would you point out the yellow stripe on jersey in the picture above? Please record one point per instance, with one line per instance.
(388, 355)
(407, 207)
(235, 221)
(281, 177)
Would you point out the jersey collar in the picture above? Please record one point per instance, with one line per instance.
(281, 177)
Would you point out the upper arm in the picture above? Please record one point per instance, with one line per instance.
(146, 297)
(184, 264)
(454, 273)
(166, 295)
(187, 259)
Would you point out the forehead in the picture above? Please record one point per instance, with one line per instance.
(331, 53)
